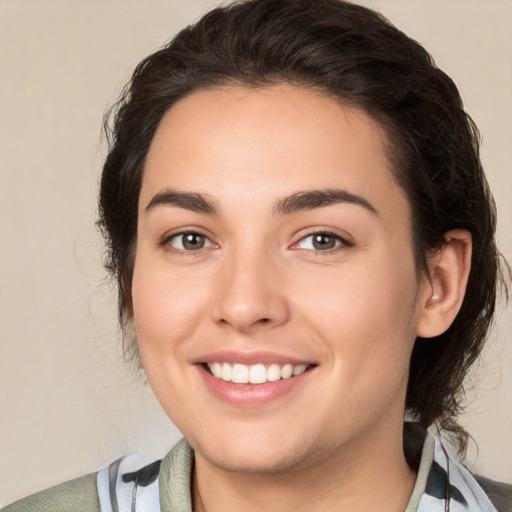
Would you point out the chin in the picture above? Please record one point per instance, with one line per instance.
(252, 461)
(256, 453)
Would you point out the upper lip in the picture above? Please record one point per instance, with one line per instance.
(249, 358)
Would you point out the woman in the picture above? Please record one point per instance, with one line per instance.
(303, 241)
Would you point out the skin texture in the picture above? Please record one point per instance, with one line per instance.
(258, 285)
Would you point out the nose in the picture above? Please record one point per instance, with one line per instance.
(251, 295)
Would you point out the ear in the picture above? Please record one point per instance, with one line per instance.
(442, 291)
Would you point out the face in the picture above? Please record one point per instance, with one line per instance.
(274, 289)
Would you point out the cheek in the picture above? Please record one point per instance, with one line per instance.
(167, 305)
(167, 309)
(366, 315)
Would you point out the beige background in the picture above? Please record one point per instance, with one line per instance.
(68, 405)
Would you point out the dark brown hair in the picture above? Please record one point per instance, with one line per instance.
(356, 56)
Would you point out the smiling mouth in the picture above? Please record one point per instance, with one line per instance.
(256, 373)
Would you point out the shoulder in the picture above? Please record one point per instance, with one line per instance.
(79, 495)
(499, 493)
(442, 474)
(119, 486)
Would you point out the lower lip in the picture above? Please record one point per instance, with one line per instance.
(251, 395)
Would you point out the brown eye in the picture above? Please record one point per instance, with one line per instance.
(189, 241)
(321, 242)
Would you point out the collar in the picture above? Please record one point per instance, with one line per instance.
(442, 484)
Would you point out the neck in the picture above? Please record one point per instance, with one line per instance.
(355, 478)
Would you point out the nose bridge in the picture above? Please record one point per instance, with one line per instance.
(251, 293)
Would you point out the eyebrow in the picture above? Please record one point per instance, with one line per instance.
(199, 203)
(308, 200)
(299, 201)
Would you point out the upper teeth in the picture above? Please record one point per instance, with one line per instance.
(255, 374)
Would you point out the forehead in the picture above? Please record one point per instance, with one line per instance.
(265, 143)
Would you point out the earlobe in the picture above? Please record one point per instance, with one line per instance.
(445, 287)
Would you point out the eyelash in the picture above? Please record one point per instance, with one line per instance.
(342, 243)
(167, 239)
